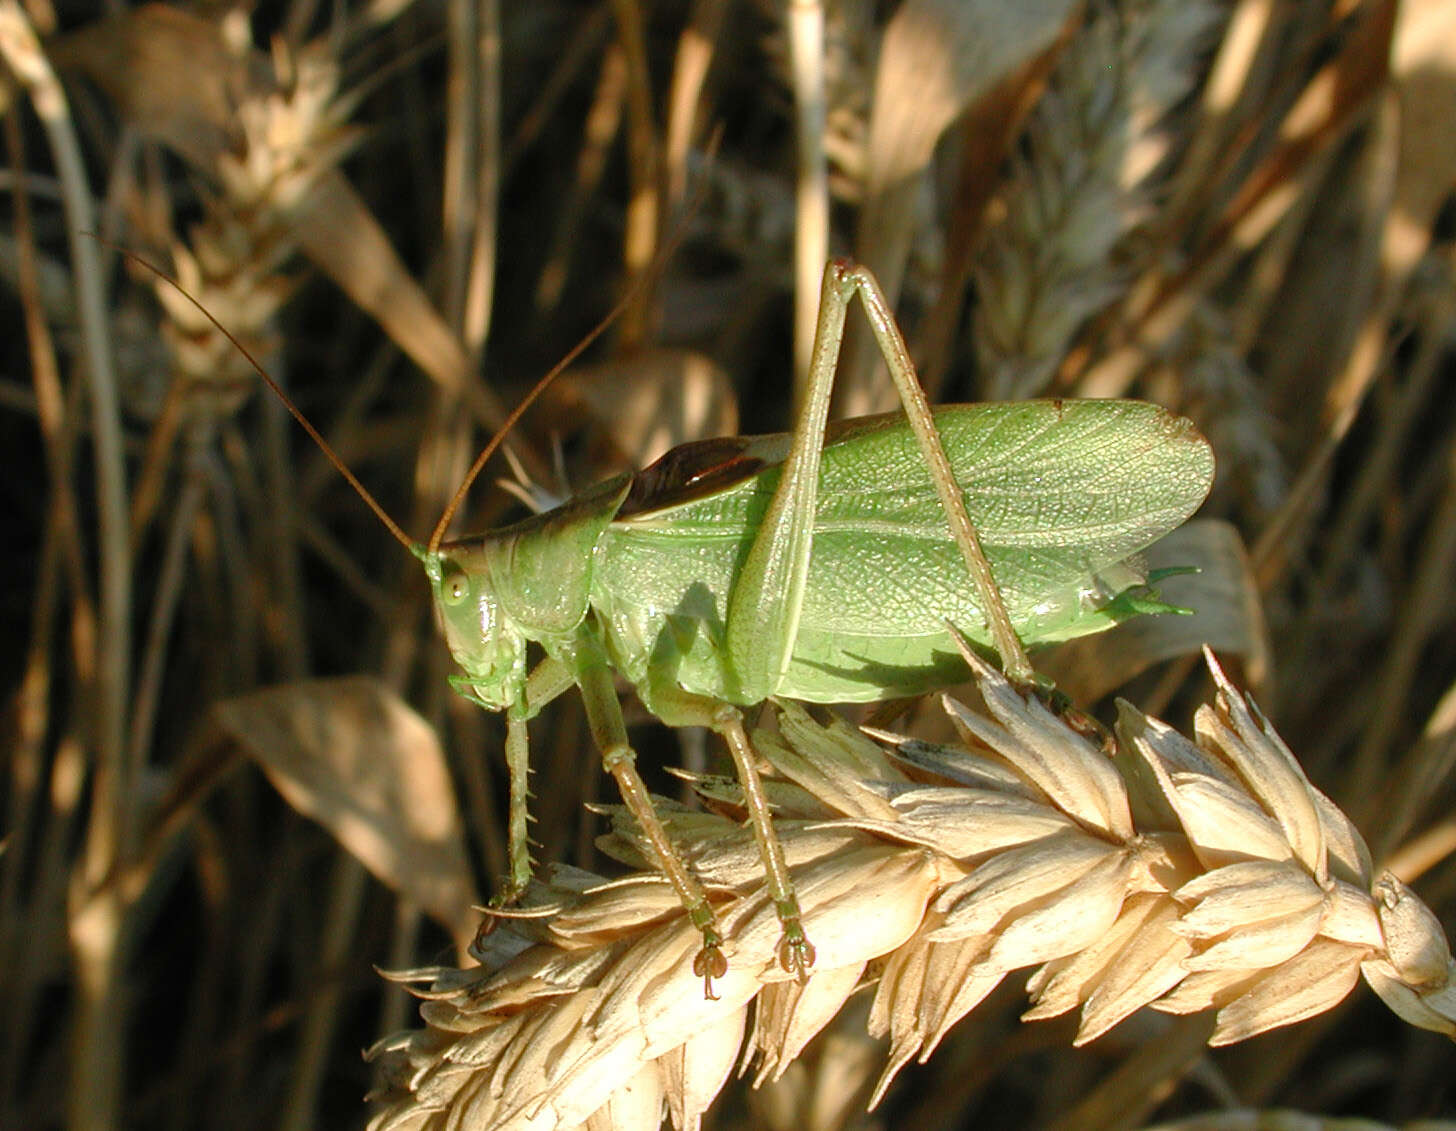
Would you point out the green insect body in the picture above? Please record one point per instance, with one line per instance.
(831, 564)
(710, 586)
(1061, 493)
(1040, 480)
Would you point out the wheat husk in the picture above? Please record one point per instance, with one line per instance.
(1245, 892)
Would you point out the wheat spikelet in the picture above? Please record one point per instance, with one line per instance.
(1077, 188)
(292, 136)
(1178, 874)
(226, 268)
(288, 135)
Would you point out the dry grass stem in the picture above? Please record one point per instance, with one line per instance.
(1179, 874)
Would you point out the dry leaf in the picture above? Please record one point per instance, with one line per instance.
(353, 756)
(171, 75)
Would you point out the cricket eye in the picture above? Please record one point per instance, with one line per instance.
(454, 586)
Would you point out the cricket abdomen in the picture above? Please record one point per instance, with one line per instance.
(1061, 492)
(873, 630)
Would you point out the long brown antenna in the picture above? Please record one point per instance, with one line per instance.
(393, 527)
(639, 284)
(438, 534)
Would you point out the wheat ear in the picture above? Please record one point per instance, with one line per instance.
(1182, 875)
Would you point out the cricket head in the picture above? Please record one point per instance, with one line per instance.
(528, 581)
(490, 650)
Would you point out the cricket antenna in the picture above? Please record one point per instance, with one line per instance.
(639, 285)
(438, 534)
(333, 457)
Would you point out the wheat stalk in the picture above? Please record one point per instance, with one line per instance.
(1181, 875)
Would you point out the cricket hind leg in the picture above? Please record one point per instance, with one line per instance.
(848, 279)
(767, 597)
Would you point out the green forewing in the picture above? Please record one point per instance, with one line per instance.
(1059, 491)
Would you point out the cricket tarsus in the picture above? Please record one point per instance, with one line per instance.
(709, 962)
(795, 952)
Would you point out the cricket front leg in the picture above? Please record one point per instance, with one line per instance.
(587, 660)
(518, 767)
(546, 682)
